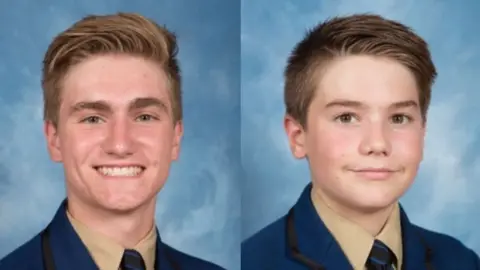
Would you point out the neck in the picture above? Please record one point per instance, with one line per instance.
(371, 220)
(125, 228)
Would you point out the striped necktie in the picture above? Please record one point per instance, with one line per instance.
(381, 257)
(132, 260)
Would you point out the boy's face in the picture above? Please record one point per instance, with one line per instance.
(116, 137)
(365, 133)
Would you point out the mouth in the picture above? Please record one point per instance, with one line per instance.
(374, 173)
(120, 171)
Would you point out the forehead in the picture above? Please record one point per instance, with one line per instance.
(117, 79)
(371, 80)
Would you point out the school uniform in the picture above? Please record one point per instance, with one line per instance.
(67, 244)
(313, 236)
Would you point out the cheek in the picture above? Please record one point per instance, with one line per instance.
(333, 144)
(156, 142)
(408, 146)
(79, 143)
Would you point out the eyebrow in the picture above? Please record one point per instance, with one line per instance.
(141, 103)
(357, 104)
(103, 106)
(405, 104)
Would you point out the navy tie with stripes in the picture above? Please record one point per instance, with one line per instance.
(132, 260)
(381, 257)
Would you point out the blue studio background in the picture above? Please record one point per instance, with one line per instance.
(199, 209)
(445, 194)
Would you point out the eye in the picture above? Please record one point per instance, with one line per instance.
(145, 117)
(345, 118)
(401, 119)
(91, 120)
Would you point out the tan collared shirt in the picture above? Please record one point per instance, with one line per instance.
(106, 253)
(356, 242)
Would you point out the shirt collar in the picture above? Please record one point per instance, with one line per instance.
(106, 253)
(355, 241)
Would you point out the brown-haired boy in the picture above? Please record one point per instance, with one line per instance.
(357, 91)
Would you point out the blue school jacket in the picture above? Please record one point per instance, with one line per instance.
(59, 247)
(300, 240)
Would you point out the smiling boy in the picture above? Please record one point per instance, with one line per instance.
(113, 118)
(357, 91)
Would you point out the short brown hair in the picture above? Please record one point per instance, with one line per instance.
(358, 34)
(121, 33)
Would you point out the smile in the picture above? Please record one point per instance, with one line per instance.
(122, 171)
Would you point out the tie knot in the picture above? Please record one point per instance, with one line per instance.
(381, 257)
(132, 260)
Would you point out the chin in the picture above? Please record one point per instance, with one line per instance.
(377, 196)
(373, 203)
(123, 204)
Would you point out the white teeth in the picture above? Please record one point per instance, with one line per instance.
(120, 171)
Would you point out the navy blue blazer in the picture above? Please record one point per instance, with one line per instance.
(69, 252)
(300, 241)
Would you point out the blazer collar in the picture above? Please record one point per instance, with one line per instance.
(317, 243)
(69, 252)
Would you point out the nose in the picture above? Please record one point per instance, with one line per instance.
(119, 141)
(375, 140)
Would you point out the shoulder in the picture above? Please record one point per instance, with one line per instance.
(26, 256)
(187, 261)
(269, 242)
(447, 249)
(272, 234)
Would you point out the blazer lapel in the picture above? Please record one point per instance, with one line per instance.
(314, 240)
(415, 248)
(163, 260)
(68, 250)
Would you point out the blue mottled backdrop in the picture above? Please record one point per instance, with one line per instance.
(445, 196)
(199, 208)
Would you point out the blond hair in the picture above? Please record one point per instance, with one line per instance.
(121, 33)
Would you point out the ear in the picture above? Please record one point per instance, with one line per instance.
(177, 139)
(296, 137)
(53, 141)
(424, 134)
